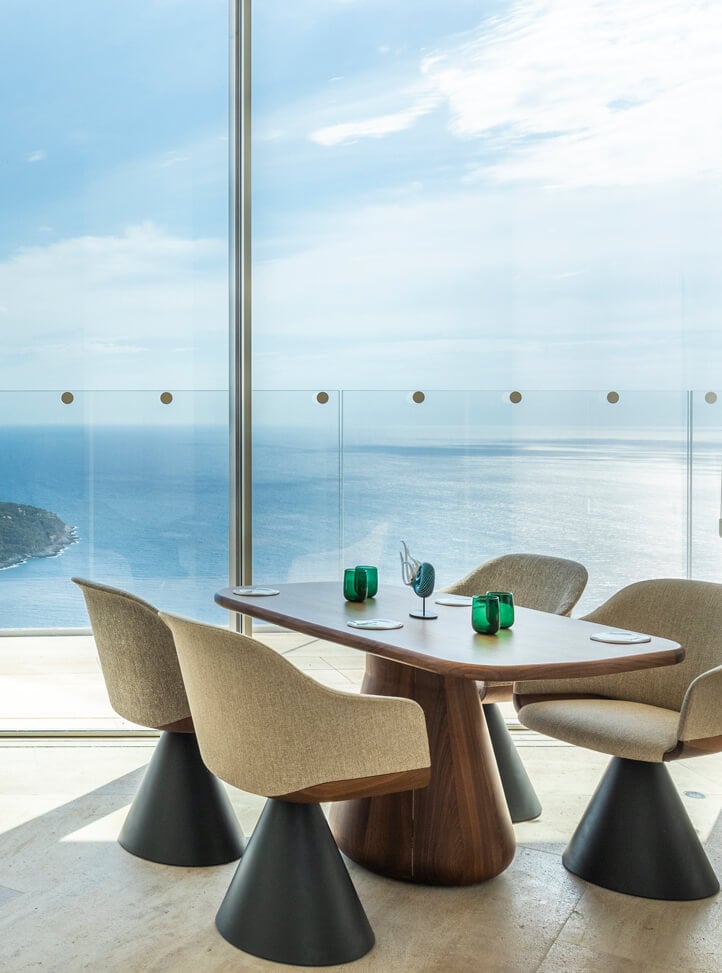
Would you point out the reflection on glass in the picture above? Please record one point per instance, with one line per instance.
(147, 504)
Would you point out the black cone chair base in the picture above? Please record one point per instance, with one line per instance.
(520, 795)
(291, 899)
(635, 837)
(181, 814)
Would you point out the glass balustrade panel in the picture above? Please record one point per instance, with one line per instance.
(706, 482)
(135, 495)
(118, 487)
(465, 476)
(296, 486)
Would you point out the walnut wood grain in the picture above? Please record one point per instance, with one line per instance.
(342, 790)
(539, 646)
(495, 692)
(184, 725)
(379, 832)
(456, 831)
(695, 748)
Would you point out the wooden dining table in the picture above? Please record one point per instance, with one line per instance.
(457, 830)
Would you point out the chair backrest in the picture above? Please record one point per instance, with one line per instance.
(547, 584)
(267, 728)
(686, 611)
(137, 656)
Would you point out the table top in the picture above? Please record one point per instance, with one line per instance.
(539, 646)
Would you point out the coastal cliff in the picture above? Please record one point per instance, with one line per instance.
(27, 532)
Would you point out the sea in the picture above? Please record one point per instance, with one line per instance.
(150, 506)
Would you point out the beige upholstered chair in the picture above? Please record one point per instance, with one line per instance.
(181, 814)
(547, 584)
(266, 727)
(635, 836)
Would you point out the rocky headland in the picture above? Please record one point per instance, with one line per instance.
(27, 532)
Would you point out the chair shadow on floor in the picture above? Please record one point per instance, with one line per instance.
(92, 880)
(51, 830)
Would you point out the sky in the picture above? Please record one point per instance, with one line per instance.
(470, 195)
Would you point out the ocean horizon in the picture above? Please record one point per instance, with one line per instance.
(150, 507)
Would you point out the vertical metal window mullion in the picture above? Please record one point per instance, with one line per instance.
(241, 537)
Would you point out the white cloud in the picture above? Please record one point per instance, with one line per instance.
(604, 92)
(600, 93)
(497, 288)
(377, 127)
(173, 158)
(115, 348)
(37, 156)
(108, 312)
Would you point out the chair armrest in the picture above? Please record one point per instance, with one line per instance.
(701, 714)
(336, 735)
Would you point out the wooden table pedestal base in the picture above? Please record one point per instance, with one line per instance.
(456, 831)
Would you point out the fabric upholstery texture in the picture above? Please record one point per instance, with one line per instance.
(701, 714)
(267, 728)
(632, 730)
(538, 581)
(137, 656)
(687, 611)
(547, 584)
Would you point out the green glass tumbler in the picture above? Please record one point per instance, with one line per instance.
(372, 578)
(355, 584)
(485, 614)
(506, 607)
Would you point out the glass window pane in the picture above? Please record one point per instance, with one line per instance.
(147, 503)
(508, 194)
(113, 295)
(463, 477)
(496, 197)
(706, 493)
(113, 242)
(296, 486)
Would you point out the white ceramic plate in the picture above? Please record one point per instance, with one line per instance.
(457, 601)
(375, 623)
(620, 638)
(254, 589)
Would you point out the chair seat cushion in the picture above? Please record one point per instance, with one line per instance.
(633, 730)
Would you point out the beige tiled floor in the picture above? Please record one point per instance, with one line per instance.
(72, 900)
